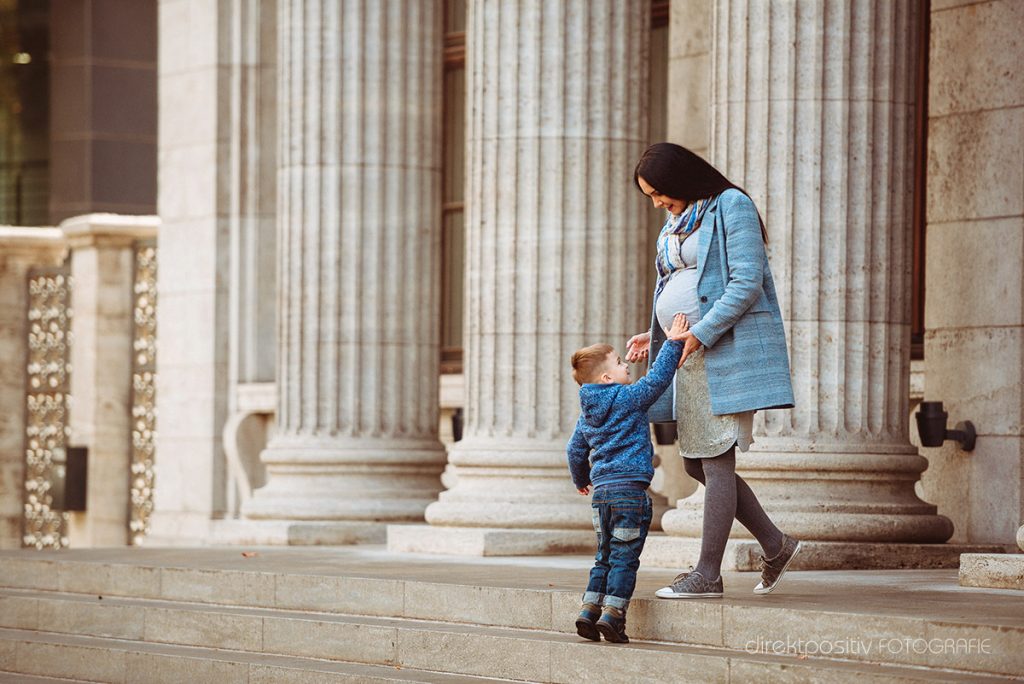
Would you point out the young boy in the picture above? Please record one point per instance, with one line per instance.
(611, 450)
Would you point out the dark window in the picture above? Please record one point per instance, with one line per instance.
(24, 112)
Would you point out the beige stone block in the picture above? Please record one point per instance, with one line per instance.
(91, 618)
(940, 5)
(193, 193)
(71, 662)
(689, 122)
(689, 27)
(977, 373)
(976, 165)
(957, 251)
(350, 641)
(172, 23)
(355, 595)
(778, 631)
(975, 56)
(475, 653)
(8, 652)
(525, 608)
(218, 586)
(689, 622)
(193, 253)
(269, 674)
(571, 663)
(182, 313)
(297, 532)
(29, 574)
(977, 648)
(204, 628)
(188, 106)
(481, 541)
(997, 571)
(792, 670)
(157, 668)
(18, 612)
(995, 488)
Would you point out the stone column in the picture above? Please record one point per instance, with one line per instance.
(556, 255)
(102, 268)
(20, 250)
(358, 260)
(813, 107)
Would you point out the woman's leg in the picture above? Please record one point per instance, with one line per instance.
(728, 496)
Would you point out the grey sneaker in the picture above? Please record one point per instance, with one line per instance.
(691, 585)
(773, 569)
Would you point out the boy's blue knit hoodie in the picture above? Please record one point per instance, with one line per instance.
(612, 440)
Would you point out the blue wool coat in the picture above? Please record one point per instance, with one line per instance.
(741, 325)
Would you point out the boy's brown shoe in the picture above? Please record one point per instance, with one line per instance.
(586, 622)
(612, 625)
(773, 569)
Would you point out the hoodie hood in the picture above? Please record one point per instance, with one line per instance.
(596, 401)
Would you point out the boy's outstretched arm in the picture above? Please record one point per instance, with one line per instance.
(578, 453)
(648, 388)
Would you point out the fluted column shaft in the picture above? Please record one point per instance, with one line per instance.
(358, 216)
(556, 251)
(813, 113)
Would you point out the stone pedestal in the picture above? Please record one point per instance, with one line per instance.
(556, 254)
(20, 250)
(102, 268)
(813, 114)
(358, 256)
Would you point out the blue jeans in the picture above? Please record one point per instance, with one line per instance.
(622, 516)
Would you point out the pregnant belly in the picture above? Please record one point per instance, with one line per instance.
(679, 295)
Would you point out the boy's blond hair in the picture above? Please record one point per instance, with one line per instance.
(589, 361)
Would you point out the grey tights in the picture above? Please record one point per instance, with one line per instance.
(728, 496)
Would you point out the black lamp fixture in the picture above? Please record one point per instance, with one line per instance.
(931, 426)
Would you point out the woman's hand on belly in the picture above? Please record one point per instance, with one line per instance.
(690, 345)
(638, 347)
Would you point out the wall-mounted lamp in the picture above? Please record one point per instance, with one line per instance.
(931, 426)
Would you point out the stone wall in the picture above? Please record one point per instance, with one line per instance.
(974, 317)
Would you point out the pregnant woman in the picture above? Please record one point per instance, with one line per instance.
(712, 266)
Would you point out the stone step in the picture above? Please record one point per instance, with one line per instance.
(421, 645)
(917, 617)
(33, 656)
(903, 623)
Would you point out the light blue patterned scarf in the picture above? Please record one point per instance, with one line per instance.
(671, 237)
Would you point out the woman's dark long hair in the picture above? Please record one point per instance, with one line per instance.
(679, 173)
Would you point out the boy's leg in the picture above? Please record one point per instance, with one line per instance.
(590, 611)
(631, 518)
(596, 587)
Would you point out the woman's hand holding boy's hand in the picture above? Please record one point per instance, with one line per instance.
(638, 347)
(584, 490)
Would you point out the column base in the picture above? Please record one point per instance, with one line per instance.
(992, 570)
(297, 532)
(662, 551)
(488, 541)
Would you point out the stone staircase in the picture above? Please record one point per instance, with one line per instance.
(365, 615)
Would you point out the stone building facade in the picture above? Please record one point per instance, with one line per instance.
(319, 185)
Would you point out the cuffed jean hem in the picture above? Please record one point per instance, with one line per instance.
(616, 602)
(594, 597)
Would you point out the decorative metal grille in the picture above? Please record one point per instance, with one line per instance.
(48, 405)
(143, 390)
